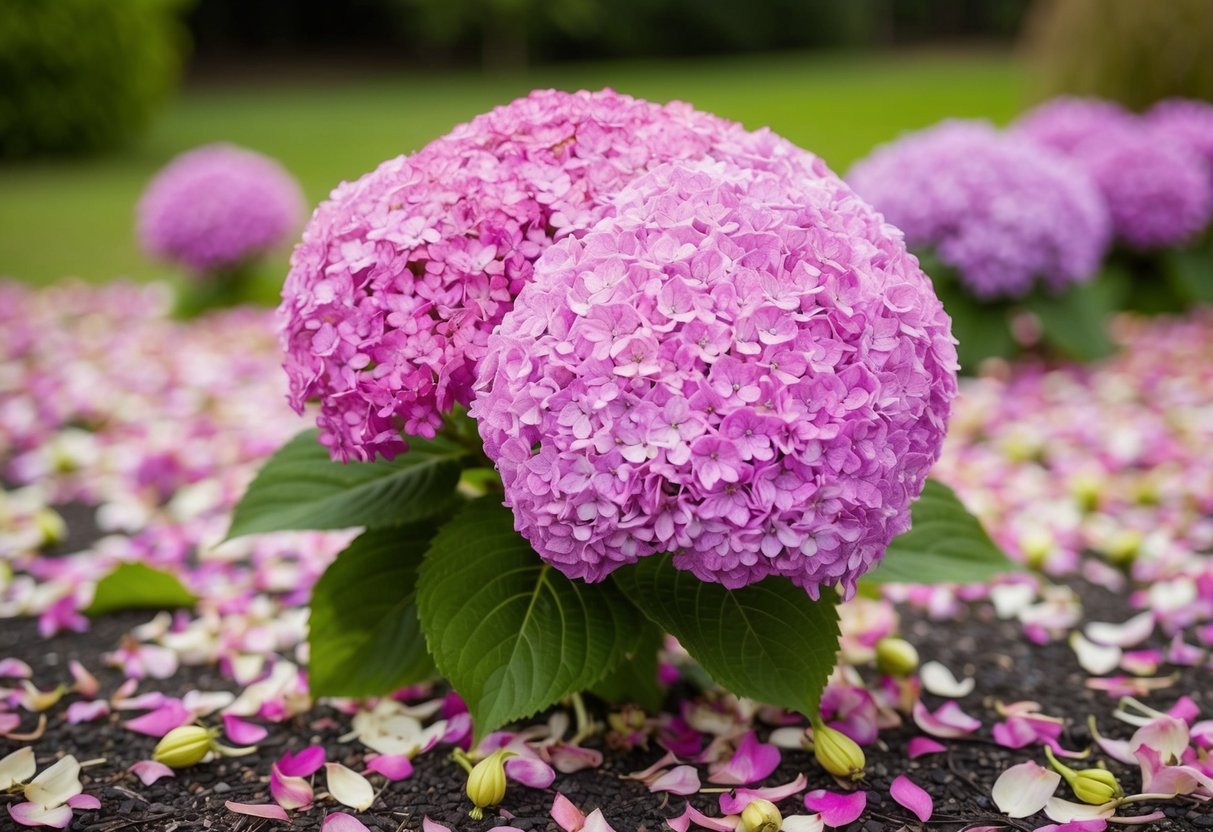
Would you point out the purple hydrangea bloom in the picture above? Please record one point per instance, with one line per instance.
(1188, 121)
(747, 371)
(1065, 122)
(1000, 210)
(402, 275)
(218, 206)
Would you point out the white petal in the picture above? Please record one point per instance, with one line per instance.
(1024, 789)
(349, 787)
(17, 767)
(1128, 634)
(1064, 811)
(1093, 658)
(1009, 599)
(803, 823)
(56, 784)
(938, 680)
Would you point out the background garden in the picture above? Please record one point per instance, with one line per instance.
(133, 417)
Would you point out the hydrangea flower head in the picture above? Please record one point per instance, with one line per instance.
(1065, 122)
(1188, 121)
(1000, 210)
(217, 206)
(402, 275)
(746, 371)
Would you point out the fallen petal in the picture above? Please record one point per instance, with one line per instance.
(567, 816)
(1075, 826)
(1024, 789)
(947, 722)
(1127, 634)
(836, 808)
(348, 787)
(921, 746)
(534, 774)
(1094, 658)
(1064, 811)
(149, 771)
(753, 761)
(15, 669)
(87, 711)
(1167, 735)
(683, 780)
(596, 822)
(803, 823)
(31, 814)
(56, 784)
(172, 714)
(241, 732)
(269, 811)
(428, 825)
(691, 815)
(341, 822)
(304, 764)
(84, 802)
(290, 792)
(731, 803)
(940, 681)
(17, 767)
(392, 766)
(913, 797)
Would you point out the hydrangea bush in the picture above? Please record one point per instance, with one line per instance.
(706, 382)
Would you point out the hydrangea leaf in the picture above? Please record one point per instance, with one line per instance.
(136, 586)
(635, 679)
(301, 488)
(769, 641)
(982, 329)
(365, 638)
(1190, 272)
(1074, 322)
(510, 632)
(946, 544)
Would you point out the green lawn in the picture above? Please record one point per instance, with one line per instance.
(60, 218)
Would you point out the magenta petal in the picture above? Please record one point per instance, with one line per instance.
(9, 722)
(15, 669)
(341, 822)
(458, 728)
(288, 791)
(87, 711)
(241, 732)
(84, 802)
(269, 811)
(921, 746)
(836, 808)
(31, 814)
(910, 795)
(149, 771)
(392, 766)
(304, 764)
(753, 761)
(172, 714)
(535, 774)
(732, 803)
(1014, 733)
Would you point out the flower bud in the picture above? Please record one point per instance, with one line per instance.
(760, 816)
(896, 657)
(184, 746)
(838, 754)
(1096, 786)
(51, 526)
(486, 782)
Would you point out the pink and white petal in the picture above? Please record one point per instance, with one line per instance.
(753, 761)
(31, 814)
(268, 811)
(913, 797)
(15, 669)
(241, 732)
(86, 683)
(567, 816)
(534, 774)
(303, 764)
(1126, 634)
(683, 822)
(836, 808)
(1024, 789)
(732, 803)
(1138, 820)
(394, 767)
(206, 702)
(289, 792)
(1167, 735)
(939, 680)
(341, 822)
(683, 780)
(947, 722)
(348, 787)
(172, 714)
(1064, 811)
(84, 802)
(596, 822)
(428, 825)
(1097, 825)
(149, 771)
(803, 823)
(921, 746)
(54, 785)
(458, 728)
(87, 711)
(571, 758)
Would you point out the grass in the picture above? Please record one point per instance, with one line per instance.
(74, 217)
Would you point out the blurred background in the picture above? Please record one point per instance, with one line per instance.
(96, 95)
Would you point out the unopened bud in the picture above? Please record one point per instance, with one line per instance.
(486, 782)
(184, 746)
(838, 754)
(896, 657)
(50, 526)
(760, 816)
(1096, 786)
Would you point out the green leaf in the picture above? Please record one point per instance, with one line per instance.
(1191, 273)
(365, 638)
(635, 679)
(768, 641)
(982, 329)
(946, 544)
(301, 488)
(1075, 322)
(134, 586)
(511, 633)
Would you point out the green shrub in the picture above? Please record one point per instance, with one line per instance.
(1132, 51)
(82, 75)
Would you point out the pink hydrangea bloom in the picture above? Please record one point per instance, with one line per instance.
(402, 275)
(217, 206)
(1065, 122)
(1188, 121)
(749, 372)
(1000, 210)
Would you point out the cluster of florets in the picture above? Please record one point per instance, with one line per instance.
(1065, 122)
(402, 275)
(218, 206)
(1000, 210)
(749, 372)
(1188, 122)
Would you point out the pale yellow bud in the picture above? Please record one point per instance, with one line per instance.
(760, 816)
(1096, 786)
(486, 782)
(50, 526)
(896, 657)
(838, 754)
(184, 746)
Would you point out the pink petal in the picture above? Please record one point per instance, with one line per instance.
(9, 722)
(1165, 734)
(269, 811)
(683, 780)
(753, 761)
(1016, 732)
(84, 802)
(241, 732)
(836, 808)
(86, 683)
(534, 774)
(428, 825)
(304, 764)
(1097, 825)
(149, 771)
(15, 669)
(570, 758)
(947, 722)
(172, 714)
(289, 792)
(142, 702)
(1024, 789)
(732, 803)
(921, 746)
(392, 766)
(595, 822)
(341, 822)
(458, 728)
(683, 822)
(906, 792)
(31, 814)
(1185, 709)
(567, 816)
(83, 711)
